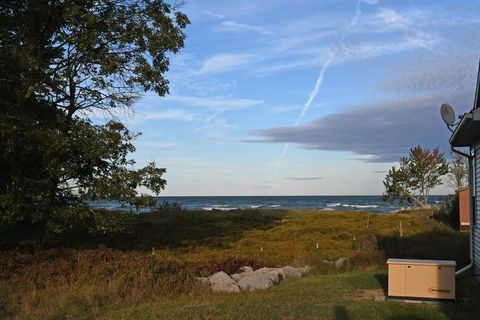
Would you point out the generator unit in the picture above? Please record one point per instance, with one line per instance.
(421, 279)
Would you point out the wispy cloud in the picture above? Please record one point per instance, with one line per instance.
(170, 114)
(225, 62)
(213, 14)
(304, 178)
(282, 109)
(233, 26)
(218, 104)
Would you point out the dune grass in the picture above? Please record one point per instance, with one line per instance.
(150, 269)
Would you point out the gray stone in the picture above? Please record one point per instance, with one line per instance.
(304, 270)
(246, 269)
(342, 264)
(238, 276)
(273, 274)
(255, 281)
(222, 282)
(290, 272)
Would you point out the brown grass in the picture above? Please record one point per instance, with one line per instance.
(84, 279)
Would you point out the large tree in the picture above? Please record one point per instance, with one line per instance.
(61, 61)
(416, 176)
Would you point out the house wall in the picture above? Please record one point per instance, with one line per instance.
(476, 220)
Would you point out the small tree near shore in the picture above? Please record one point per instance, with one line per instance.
(415, 177)
(457, 177)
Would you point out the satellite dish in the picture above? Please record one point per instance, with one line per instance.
(448, 115)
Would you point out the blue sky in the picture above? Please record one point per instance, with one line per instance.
(307, 97)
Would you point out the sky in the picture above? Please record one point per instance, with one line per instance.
(307, 97)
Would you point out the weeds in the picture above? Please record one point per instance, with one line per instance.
(88, 275)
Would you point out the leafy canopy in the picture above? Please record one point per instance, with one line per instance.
(61, 62)
(416, 176)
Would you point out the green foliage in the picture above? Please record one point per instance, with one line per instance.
(449, 212)
(172, 206)
(416, 176)
(61, 61)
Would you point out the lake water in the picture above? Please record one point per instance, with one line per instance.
(226, 203)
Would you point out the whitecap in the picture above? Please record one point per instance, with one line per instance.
(334, 204)
(360, 206)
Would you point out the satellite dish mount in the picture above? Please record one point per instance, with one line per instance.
(448, 115)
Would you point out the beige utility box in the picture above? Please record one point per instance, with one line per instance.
(412, 278)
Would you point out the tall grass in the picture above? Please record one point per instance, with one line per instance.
(162, 253)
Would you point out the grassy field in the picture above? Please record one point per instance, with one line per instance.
(148, 271)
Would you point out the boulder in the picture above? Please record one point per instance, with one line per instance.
(274, 274)
(342, 264)
(238, 276)
(290, 272)
(246, 269)
(255, 281)
(222, 282)
(304, 270)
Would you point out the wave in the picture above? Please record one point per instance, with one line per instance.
(255, 207)
(360, 206)
(275, 205)
(219, 209)
(337, 204)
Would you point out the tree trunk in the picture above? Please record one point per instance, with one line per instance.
(415, 200)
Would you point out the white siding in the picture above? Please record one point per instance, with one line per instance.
(476, 226)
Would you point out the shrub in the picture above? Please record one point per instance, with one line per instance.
(449, 212)
(170, 206)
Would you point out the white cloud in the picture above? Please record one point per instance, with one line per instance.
(170, 114)
(225, 62)
(233, 26)
(217, 104)
(213, 14)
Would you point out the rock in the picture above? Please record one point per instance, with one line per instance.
(246, 269)
(342, 264)
(274, 274)
(222, 282)
(255, 281)
(304, 270)
(290, 272)
(329, 262)
(238, 276)
(204, 281)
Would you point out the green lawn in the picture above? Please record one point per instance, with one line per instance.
(317, 296)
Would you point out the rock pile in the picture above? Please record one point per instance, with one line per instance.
(250, 280)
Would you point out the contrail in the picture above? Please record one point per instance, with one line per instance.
(320, 78)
